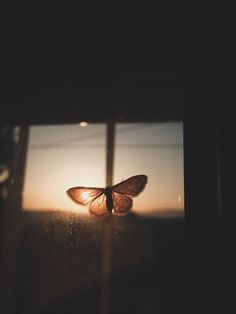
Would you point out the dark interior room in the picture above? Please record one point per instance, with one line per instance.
(115, 168)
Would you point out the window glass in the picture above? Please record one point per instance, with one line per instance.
(154, 149)
(62, 257)
(60, 157)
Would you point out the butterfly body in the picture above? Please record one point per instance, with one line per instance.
(116, 199)
(109, 199)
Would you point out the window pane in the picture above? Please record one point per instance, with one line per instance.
(61, 157)
(156, 150)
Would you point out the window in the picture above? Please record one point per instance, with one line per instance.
(64, 257)
(63, 156)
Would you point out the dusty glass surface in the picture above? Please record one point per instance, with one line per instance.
(64, 259)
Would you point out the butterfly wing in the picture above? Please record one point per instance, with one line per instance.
(121, 192)
(121, 203)
(98, 206)
(83, 195)
(132, 186)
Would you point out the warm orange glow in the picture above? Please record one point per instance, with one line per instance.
(118, 197)
(77, 157)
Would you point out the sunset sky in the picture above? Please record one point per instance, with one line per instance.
(63, 156)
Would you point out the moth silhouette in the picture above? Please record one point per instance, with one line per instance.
(116, 199)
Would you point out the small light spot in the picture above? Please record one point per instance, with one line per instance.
(83, 124)
(4, 174)
(179, 199)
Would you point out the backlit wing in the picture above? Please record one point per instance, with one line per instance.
(132, 186)
(83, 195)
(98, 206)
(121, 203)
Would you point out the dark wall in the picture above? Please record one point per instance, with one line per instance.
(94, 88)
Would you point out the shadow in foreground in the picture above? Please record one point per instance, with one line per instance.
(62, 267)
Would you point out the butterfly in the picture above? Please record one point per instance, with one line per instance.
(116, 199)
